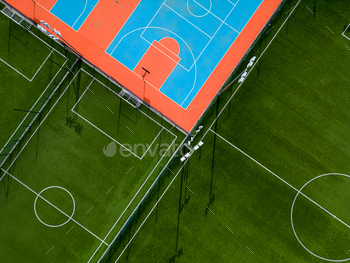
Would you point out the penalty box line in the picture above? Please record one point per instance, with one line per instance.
(38, 195)
(162, 128)
(128, 102)
(291, 186)
(131, 202)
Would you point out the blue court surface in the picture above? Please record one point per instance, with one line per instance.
(73, 12)
(203, 29)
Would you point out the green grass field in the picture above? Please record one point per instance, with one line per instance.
(270, 184)
(83, 168)
(284, 131)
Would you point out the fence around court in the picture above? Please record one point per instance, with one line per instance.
(44, 101)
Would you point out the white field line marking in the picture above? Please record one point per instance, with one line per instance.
(41, 65)
(290, 9)
(347, 252)
(129, 129)
(89, 210)
(269, 30)
(189, 189)
(347, 47)
(37, 127)
(234, 66)
(152, 143)
(50, 249)
(227, 50)
(110, 110)
(170, 170)
(281, 179)
(309, 9)
(110, 189)
(93, 93)
(268, 45)
(137, 204)
(209, 210)
(189, 110)
(54, 206)
(195, 62)
(188, 21)
(210, 90)
(330, 30)
(151, 211)
(249, 249)
(25, 117)
(126, 101)
(69, 230)
(218, 18)
(170, 129)
(230, 230)
(129, 170)
(203, 137)
(80, 14)
(94, 79)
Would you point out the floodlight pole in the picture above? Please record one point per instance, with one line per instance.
(34, 8)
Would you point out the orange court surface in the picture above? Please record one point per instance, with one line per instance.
(188, 48)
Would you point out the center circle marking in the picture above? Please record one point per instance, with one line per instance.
(291, 216)
(69, 218)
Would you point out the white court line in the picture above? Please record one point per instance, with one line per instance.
(249, 249)
(210, 90)
(129, 129)
(290, 9)
(189, 189)
(38, 195)
(29, 79)
(110, 110)
(202, 53)
(130, 169)
(210, 210)
(152, 143)
(269, 30)
(189, 110)
(347, 47)
(188, 21)
(69, 230)
(110, 189)
(132, 201)
(222, 21)
(50, 250)
(89, 210)
(309, 9)
(230, 230)
(330, 30)
(203, 137)
(291, 186)
(81, 13)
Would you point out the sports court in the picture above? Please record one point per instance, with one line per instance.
(174, 55)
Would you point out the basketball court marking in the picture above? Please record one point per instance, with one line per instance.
(38, 195)
(64, 10)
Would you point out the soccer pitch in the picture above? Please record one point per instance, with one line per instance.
(85, 164)
(271, 182)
